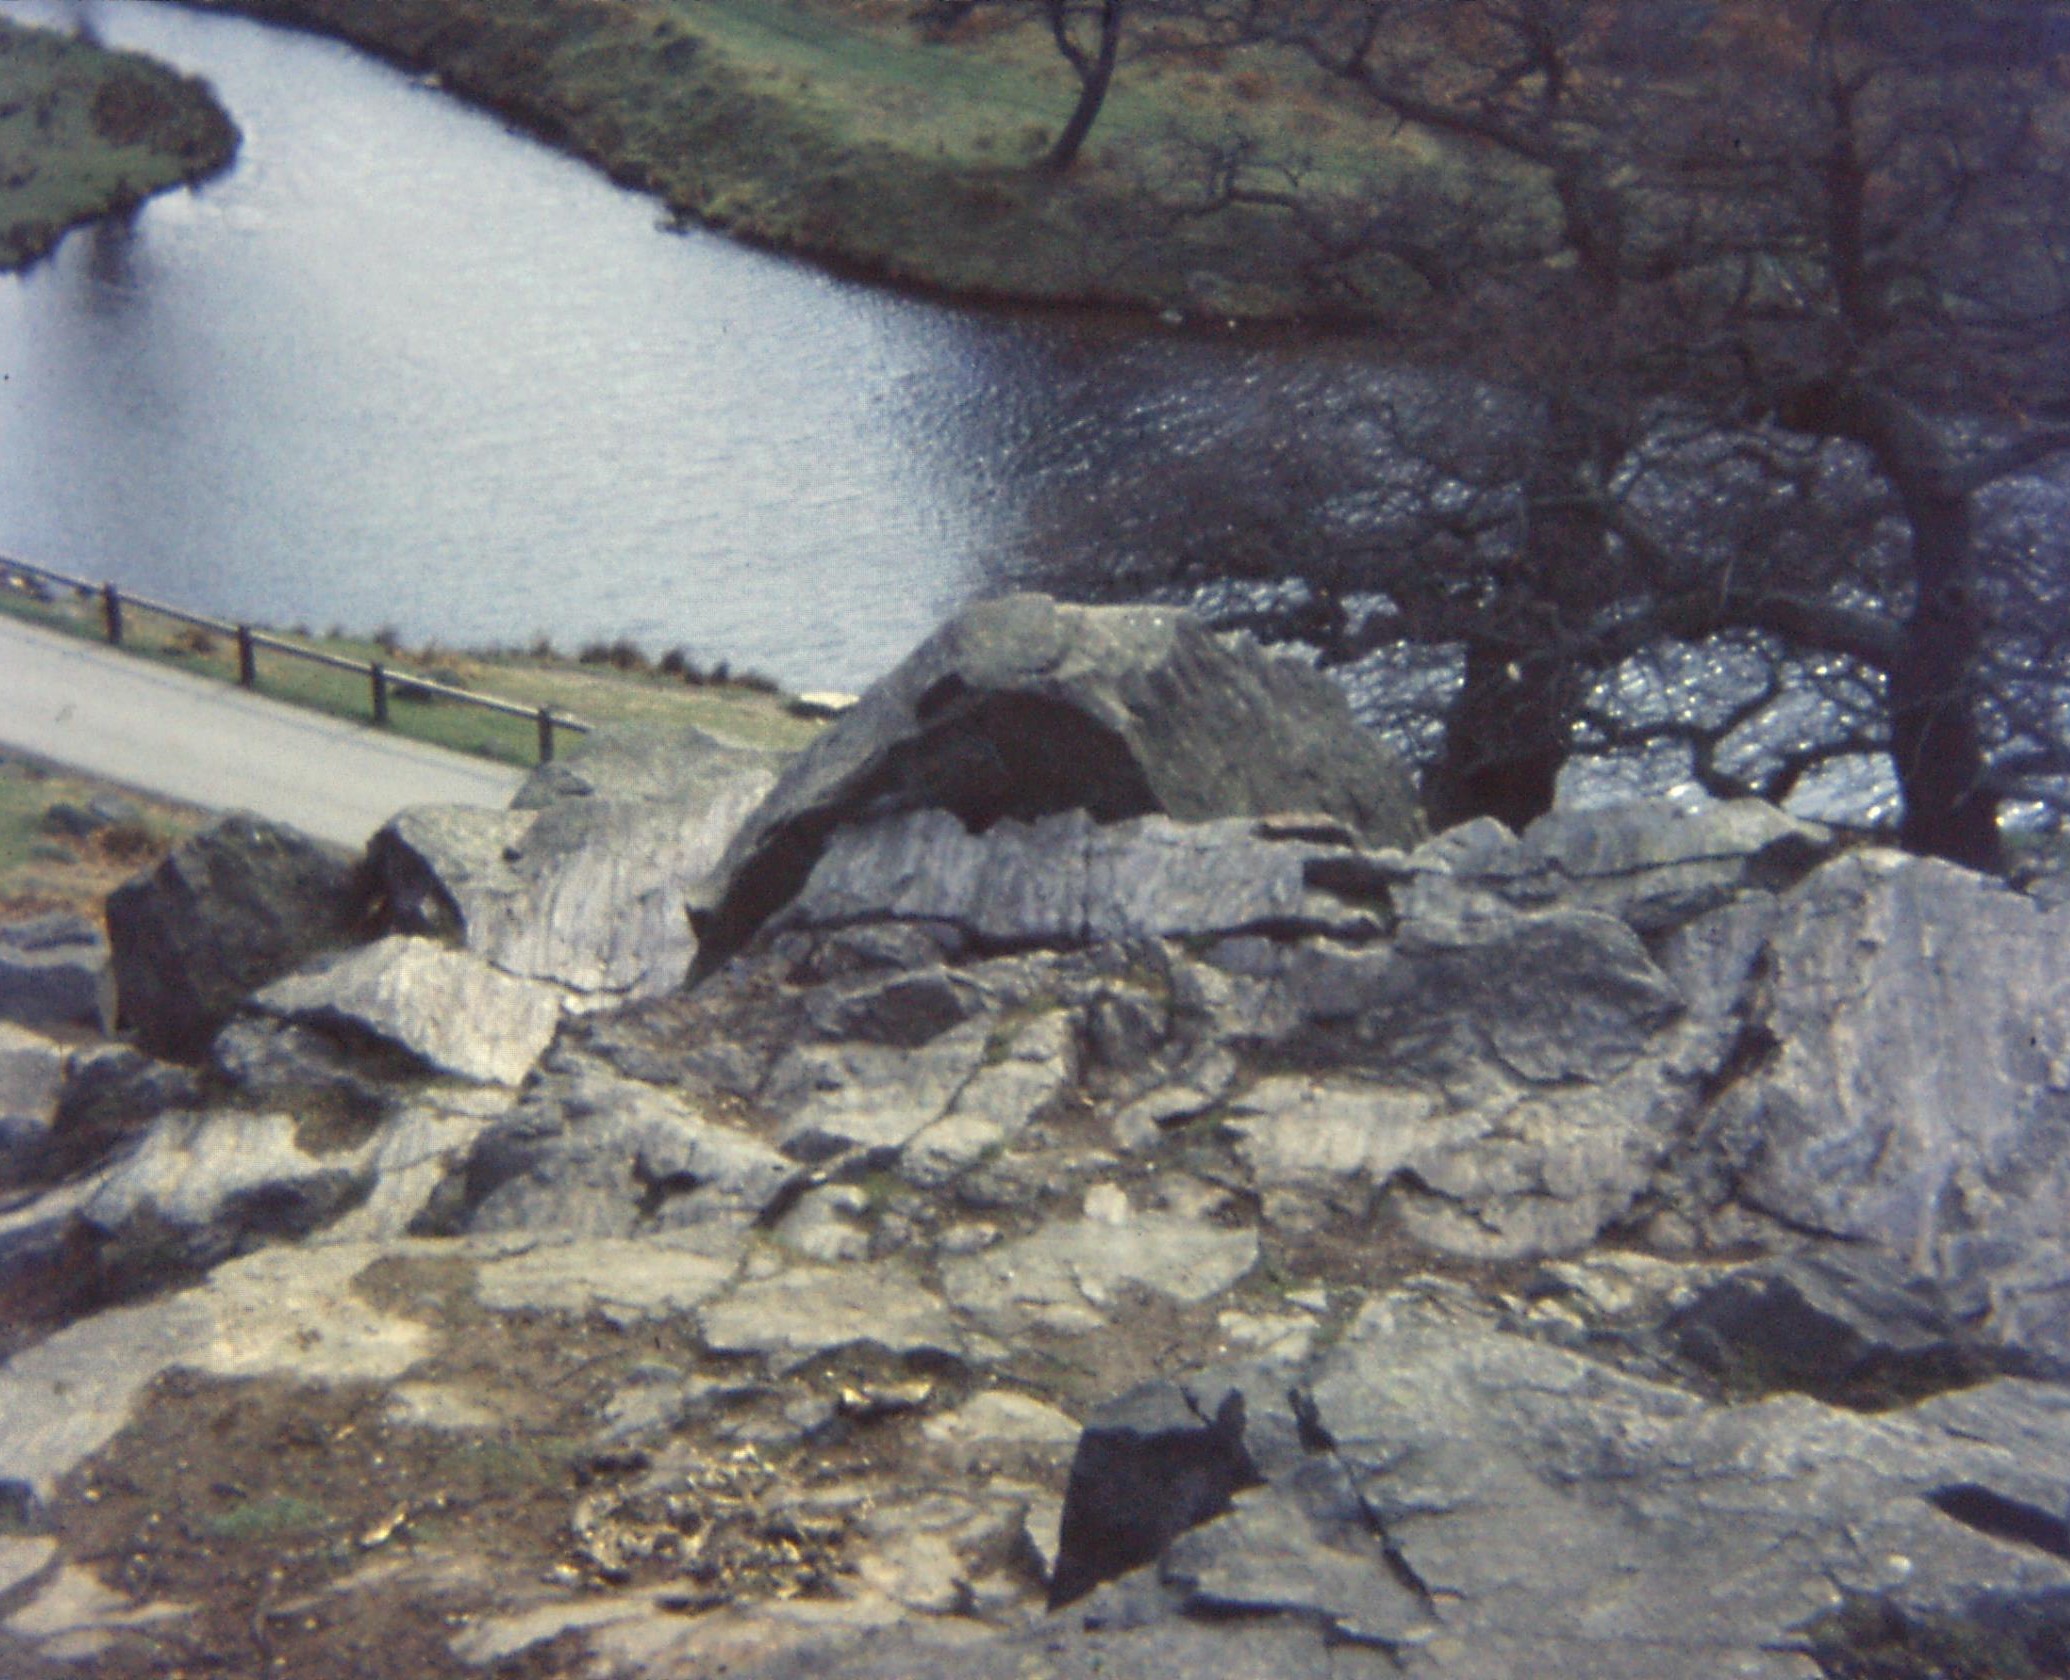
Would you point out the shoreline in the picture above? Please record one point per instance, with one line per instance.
(102, 130)
(662, 102)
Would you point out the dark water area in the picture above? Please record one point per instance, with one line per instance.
(403, 367)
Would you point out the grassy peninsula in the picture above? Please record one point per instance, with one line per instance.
(85, 132)
(841, 130)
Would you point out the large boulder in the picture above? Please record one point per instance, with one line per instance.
(582, 881)
(1021, 707)
(241, 903)
(1911, 1084)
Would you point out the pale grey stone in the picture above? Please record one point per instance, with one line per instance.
(450, 1010)
(1030, 1074)
(833, 1098)
(807, 1310)
(588, 1153)
(626, 1280)
(1072, 1276)
(1020, 707)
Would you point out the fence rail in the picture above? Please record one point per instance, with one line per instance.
(382, 682)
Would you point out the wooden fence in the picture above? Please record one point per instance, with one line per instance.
(382, 682)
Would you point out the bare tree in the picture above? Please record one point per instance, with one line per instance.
(1760, 221)
(1087, 35)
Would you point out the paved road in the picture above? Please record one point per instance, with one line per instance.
(181, 736)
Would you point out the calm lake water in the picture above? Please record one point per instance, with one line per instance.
(402, 366)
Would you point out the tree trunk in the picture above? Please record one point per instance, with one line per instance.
(1951, 808)
(1505, 740)
(1511, 727)
(1095, 73)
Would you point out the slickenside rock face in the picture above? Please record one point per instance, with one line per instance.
(1634, 1249)
(583, 881)
(1021, 707)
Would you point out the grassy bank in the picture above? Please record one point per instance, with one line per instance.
(85, 132)
(618, 684)
(835, 128)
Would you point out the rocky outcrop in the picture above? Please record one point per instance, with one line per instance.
(1022, 707)
(241, 903)
(1078, 1240)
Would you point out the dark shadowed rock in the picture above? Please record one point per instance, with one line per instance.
(110, 1092)
(32, 1069)
(239, 904)
(583, 881)
(1846, 1325)
(1021, 707)
(1151, 1465)
(53, 972)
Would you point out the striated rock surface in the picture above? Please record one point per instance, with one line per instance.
(582, 882)
(53, 972)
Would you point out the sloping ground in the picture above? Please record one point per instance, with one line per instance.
(841, 133)
(1629, 1249)
(85, 131)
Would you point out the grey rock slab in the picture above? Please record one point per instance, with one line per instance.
(1566, 1517)
(1021, 1082)
(626, 1280)
(1918, 1095)
(1071, 1276)
(1065, 880)
(450, 1010)
(826, 1225)
(406, 1162)
(1543, 998)
(53, 972)
(239, 904)
(585, 889)
(1656, 866)
(200, 1187)
(282, 1311)
(807, 1310)
(32, 1071)
(833, 1098)
(588, 1153)
(1020, 707)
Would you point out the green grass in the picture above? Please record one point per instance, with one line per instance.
(265, 1519)
(747, 715)
(42, 870)
(832, 127)
(84, 132)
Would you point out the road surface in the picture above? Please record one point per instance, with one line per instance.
(184, 737)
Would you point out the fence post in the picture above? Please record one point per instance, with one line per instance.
(111, 610)
(247, 658)
(380, 693)
(545, 734)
